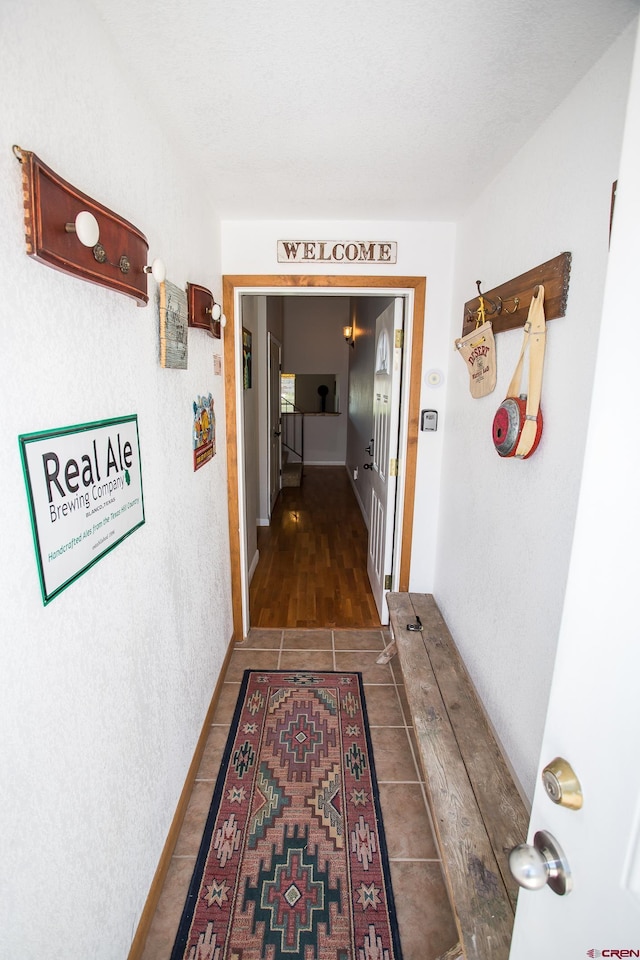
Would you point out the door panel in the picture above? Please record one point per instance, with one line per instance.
(386, 416)
(274, 420)
(593, 719)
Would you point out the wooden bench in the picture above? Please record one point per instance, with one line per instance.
(477, 810)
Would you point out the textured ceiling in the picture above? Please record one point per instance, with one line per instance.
(363, 109)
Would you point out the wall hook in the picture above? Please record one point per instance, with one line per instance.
(514, 300)
(481, 312)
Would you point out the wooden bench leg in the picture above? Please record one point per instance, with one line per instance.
(453, 953)
(388, 653)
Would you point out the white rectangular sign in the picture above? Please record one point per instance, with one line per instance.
(84, 485)
(337, 251)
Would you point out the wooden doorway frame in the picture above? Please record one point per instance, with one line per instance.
(257, 283)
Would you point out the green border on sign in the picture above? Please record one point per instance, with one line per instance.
(23, 440)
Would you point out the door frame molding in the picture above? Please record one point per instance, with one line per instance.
(274, 285)
(271, 339)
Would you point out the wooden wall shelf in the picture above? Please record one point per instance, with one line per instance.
(50, 203)
(553, 275)
(201, 302)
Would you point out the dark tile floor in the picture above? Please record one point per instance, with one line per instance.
(427, 928)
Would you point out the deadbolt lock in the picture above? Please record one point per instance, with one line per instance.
(561, 784)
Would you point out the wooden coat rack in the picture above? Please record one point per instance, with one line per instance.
(507, 306)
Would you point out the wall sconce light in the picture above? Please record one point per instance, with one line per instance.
(57, 213)
(348, 334)
(157, 270)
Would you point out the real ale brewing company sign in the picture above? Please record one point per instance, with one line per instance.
(337, 251)
(84, 486)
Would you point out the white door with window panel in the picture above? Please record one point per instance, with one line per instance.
(274, 420)
(593, 718)
(386, 415)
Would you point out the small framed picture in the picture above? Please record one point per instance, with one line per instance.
(246, 358)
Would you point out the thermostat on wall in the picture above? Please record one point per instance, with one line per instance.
(429, 420)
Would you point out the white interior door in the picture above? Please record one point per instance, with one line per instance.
(386, 414)
(274, 420)
(593, 719)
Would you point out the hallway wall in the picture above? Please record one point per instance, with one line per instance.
(104, 691)
(313, 343)
(506, 526)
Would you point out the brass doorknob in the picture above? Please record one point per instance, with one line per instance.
(561, 784)
(544, 863)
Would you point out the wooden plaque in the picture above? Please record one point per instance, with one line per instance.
(514, 297)
(50, 203)
(200, 300)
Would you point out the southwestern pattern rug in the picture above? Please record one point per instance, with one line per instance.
(293, 862)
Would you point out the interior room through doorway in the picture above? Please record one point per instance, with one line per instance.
(235, 287)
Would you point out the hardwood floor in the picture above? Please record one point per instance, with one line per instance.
(312, 570)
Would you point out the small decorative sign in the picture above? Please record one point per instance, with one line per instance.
(204, 431)
(337, 251)
(84, 486)
(173, 311)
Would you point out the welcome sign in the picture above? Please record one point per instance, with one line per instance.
(337, 251)
(84, 486)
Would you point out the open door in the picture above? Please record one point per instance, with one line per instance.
(593, 719)
(384, 453)
(274, 420)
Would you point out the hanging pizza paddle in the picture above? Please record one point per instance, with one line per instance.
(517, 425)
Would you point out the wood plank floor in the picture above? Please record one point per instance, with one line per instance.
(312, 570)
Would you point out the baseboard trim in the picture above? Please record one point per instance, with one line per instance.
(146, 917)
(254, 564)
(357, 496)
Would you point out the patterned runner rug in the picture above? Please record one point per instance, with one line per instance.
(293, 862)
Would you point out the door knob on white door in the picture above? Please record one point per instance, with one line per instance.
(544, 863)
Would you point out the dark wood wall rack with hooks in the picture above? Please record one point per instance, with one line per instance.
(507, 305)
(50, 203)
(200, 303)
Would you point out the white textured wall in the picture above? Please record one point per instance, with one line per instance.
(506, 526)
(313, 343)
(424, 249)
(103, 691)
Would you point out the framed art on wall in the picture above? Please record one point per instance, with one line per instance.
(204, 431)
(246, 358)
